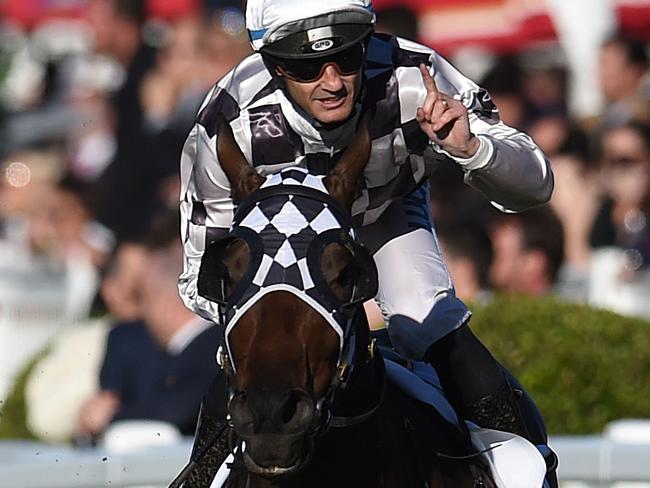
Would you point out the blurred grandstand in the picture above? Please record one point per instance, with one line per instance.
(97, 96)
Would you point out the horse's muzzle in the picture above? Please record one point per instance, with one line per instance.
(300, 456)
(276, 427)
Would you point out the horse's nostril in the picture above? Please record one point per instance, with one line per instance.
(283, 412)
(288, 410)
(296, 412)
(290, 407)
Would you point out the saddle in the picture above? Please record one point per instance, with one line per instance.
(512, 460)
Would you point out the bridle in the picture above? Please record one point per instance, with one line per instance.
(355, 359)
(346, 318)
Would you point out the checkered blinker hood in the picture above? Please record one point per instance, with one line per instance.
(287, 224)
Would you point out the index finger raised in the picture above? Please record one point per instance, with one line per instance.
(429, 82)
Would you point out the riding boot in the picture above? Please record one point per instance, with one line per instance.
(210, 449)
(501, 411)
(485, 393)
(536, 428)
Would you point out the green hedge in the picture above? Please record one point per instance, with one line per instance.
(584, 367)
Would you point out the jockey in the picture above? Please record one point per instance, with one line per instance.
(296, 101)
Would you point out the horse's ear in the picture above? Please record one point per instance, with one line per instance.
(243, 178)
(342, 180)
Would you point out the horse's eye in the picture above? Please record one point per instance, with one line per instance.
(348, 275)
(339, 270)
(236, 260)
(223, 266)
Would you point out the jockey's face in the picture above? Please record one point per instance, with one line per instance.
(330, 98)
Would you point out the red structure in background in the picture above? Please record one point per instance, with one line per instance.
(634, 16)
(503, 26)
(30, 13)
(497, 25)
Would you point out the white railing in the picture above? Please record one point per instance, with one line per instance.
(620, 458)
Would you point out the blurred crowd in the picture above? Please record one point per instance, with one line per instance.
(94, 111)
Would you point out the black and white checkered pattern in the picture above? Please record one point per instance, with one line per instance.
(286, 225)
(274, 134)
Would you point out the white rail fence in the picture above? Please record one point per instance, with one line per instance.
(620, 458)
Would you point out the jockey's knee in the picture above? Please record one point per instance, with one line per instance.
(412, 336)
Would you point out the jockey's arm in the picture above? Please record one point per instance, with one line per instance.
(508, 168)
(206, 212)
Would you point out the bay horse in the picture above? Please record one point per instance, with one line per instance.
(308, 396)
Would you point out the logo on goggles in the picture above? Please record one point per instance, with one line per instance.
(322, 45)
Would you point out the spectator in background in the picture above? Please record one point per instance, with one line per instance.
(575, 200)
(196, 53)
(64, 384)
(504, 83)
(47, 223)
(398, 21)
(467, 249)
(548, 131)
(121, 284)
(625, 176)
(624, 81)
(28, 178)
(162, 369)
(223, 43)
(620, 277)
(132, 174)
(544, 88)
(528, 251)
(68, 232)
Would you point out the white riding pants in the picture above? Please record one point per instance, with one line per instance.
(416, 294)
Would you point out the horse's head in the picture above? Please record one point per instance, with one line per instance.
(290, 280)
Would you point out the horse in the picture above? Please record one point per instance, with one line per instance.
(308, 396)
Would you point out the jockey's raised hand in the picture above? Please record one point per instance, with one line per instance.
(445, 120)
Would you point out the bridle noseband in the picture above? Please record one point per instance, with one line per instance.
(324, 418)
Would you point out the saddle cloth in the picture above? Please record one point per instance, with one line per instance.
(514, 462)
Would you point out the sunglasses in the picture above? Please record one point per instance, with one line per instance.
(346, 62)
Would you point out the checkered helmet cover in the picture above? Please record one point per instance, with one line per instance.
(286, 223)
